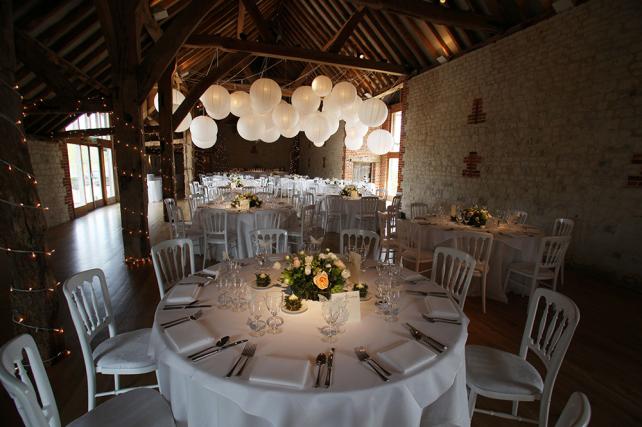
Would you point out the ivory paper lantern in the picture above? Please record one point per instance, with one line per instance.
(350, 114)
(285, 116)
(316, 127)
(291, 132)
(250, 127)
(380, 142)
(216, 101)
(333, 123)
(373, 112)
(240, 103)
(322, 85)
(354, 143)
(304, 100)
(177, 99)
(204, 131)
(265, 94)
(318, 144)
(355, 129)
(331, 105)
(345, 93)
(270, 135)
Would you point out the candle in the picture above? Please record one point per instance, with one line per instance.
(453, 211)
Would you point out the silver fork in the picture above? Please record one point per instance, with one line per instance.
(248, 351)
(440, 320)
(175, 322)
(363, 356)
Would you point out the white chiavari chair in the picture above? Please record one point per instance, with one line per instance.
(333, 211)
(267, 219)
(387, 236)
(576, 413)
(563, 227)
(297, 238)
(453, 270)
(366, 240)
(215, 232)
(412, 254)
(418, 210)
(367, 216)
(479, 245)
(272, 240)
(173, 260)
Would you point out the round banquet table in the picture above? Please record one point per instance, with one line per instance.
(351, 208)
(433, 394)
(240, 223)
(511, 243)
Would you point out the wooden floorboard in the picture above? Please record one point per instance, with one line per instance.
(604, 360)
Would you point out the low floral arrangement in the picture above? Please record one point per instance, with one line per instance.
(309, 276)
(263, 280)
(255, 202)
(362, 288)
(292, 303)
(475, 216)
(235, 181)
(349, 191)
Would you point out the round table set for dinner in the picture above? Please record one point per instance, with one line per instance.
(216, 367)
(351, 208)
(512, 243)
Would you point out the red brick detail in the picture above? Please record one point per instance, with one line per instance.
(66, 180)
(471, 161)
(477, 115)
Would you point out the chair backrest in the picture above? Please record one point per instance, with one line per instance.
(195, 200)
(170, 259)
(576, 413)
(366, 240)
(214, 222)
(368, 206)
(396, 202)
(307, 219)
(267, 219)
(551, 251)
(520, 217)
(405, 234)
(333, 204)
(550, 325)
(308, 198)
(418, 209)
(35, 403)
(385, 221)
(475, 243)
(563, 227)
(272, 240)
(380, 193)
(170, 204)
(453, 270)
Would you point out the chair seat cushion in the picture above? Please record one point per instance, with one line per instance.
(140, 407)
(528, 269)
(125, 352)
(501, 375)
(411, 254)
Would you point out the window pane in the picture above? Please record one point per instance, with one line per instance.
(393, 176)
(109, 173)
(95, 173)
(75, 173)
(395, 129)
(86, 173)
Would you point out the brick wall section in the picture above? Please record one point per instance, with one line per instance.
(49, 160)
(563, 104)
(402, 136)
(332, 151)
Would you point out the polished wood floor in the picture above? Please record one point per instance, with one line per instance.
(604, 360)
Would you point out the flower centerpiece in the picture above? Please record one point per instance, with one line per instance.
(475, 216)
(350, 191)
(362, 288)
(292, 303)
(309, 276)
(254, 201)
(263, 280)
(235, 181)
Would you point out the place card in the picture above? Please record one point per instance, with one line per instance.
(354, 304)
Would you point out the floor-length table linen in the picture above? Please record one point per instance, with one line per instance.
(434, 394)
(351, 208)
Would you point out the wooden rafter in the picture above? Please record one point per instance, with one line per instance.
(151, 26)
(261, 24)
(293, 53)
(434, 13)
(240, 21)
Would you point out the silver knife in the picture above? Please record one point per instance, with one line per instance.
(430, 340)
(328, 375)
(432, 294)
(202, 354)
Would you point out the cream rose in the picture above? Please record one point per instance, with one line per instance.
(328, 265)
(308, 270)
(333, 256)
(308, 260)
(322, 256)
(276, 265)
(345, 274)
(321, 280)
(296, 263)
(338, 263)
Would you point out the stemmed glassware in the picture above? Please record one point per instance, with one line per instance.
(224, 297)
(331, 311)
(256, 308)
(273, 301)
(238, 287)
(392, 295)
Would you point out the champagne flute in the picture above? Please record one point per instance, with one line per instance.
(257, 326)
(330, 311)
(393, 295)
(273, 301)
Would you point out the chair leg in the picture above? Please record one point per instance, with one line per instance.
(472, 400)
(116, 383)
(483, 293)
(562, 276)
(515, 408)
(506, 281)
(205, 253)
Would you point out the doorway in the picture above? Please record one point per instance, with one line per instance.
(91, 171)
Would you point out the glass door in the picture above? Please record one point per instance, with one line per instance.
(92, 176)
(96, 176)
(76, 175)
(108, 164)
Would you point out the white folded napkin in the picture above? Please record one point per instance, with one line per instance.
(442, 307)
(189, 336)
(280, 371)
(193, 279)
(183, 294)
(411, 276)
(211, 272)
(407, 357)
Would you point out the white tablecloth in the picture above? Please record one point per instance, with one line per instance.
(351, 208)
(512, 243)
(240, 223)
(434, 395)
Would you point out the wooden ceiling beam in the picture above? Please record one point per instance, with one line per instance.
(85, 133)
(293, 54)
(159, 56)
(261, 24)
(433, 12)
(240, 21)
(151, 26)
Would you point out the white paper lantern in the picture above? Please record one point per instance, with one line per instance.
(350, 113)
(240, 103)
(304, 100)
(333, 123)
(204, 131)
(184, 125)
(291, 132)
(355, 129)
(270, 135)
(373, 112)
(322, 85)
(177, 99)
(318, 144)
(331, 105)
(285, 116)
(316, 127)
(216, 101)
(354, 143)
(345, 93)
(250, 127)
(380, 142)
(265, 94)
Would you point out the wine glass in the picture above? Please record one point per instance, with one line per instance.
(256, 308)
(392, 297)
(344, 314)
(331, 311)
(273, 301)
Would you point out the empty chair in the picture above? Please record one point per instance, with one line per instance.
(387, 236)
(195, 201)
(413, 255)
(520, 217)
(121, 354)
(552, 319)
(418, 210)
(308, 198)
(453, 269)
(367, 216)
(364, 242)
(299, 236)
(267, 219)
(479, 245)
(549, 260)
(396, 204)
(36, 402)
(215, 232)
(333, 211)
(380, 193)
(563, 227)
(271, 240)
(576, 413)
(173, 260)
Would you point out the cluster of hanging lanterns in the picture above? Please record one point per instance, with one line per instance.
(315, 110)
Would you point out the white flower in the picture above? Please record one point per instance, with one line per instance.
(287, 257)
(286, 280)
(322, 256)
(276, 265)
(308, 260)
(339, 264)
(262, 276)
(308, 270)
(359, 286)
(328, 266)
(301, 253)
(345, 274)
(333, 256)
(293, 297)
